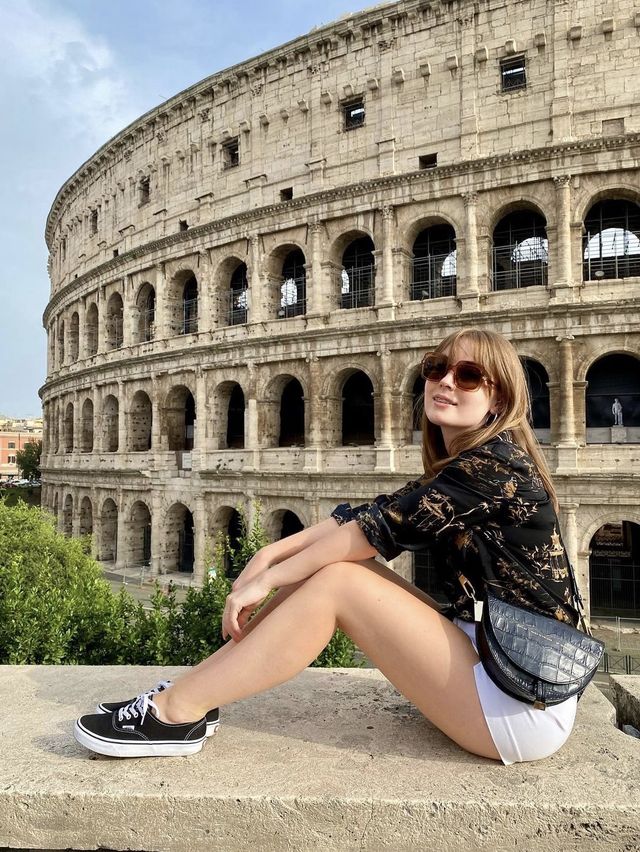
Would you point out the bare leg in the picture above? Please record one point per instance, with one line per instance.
(425, 656)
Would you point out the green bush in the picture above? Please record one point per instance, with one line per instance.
(56, 607)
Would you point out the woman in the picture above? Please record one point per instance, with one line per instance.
(486, 506)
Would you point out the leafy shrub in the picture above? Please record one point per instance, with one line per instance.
(56, 607)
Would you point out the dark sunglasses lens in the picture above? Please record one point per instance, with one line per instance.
(434, 369)
(468, 376)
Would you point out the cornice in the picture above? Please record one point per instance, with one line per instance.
(118, 265)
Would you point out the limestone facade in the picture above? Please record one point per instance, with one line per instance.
(249, 268)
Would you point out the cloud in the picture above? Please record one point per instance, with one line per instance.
(51, 57)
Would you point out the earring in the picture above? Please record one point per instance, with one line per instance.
(493, 419)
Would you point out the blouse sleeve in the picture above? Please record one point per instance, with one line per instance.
(469, 490)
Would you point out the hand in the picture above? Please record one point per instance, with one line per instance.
(241, 603)
(254, 567)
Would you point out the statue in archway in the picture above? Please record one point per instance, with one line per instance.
(616, 410)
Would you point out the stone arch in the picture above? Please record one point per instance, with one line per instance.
(614, 569)
(231, 405)
(140, 422)
(67, 515)
(179, 417)
(538, 385)
(182, 302)
(519, 247)
(86, 516)
(232, 288)
(139, 534)
(285, 269)
(114, 321)
(282, 523)
(611, 239)
(283, 412)
(74, 337)
(434, 262)
(613, 380)
(357, 271)
(68, 428)
(589, 197)
(357, 416)
(110, 424)
(108, 531)
(86, 426)
(179, 550)
(145, 313)
(91, 329)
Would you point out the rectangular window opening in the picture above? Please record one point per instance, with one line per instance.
(231, 153)
(354, 114)
(94, 221)
(286, 194)
(513, 73)
(11, 445)
(428, 161)
(116, 252)
(183, 225)
(145, 190)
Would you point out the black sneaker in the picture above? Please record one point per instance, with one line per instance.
(212, 717)
(133, 731)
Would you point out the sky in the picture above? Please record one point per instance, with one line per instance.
(73, 74)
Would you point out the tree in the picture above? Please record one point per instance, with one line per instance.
(28, 459)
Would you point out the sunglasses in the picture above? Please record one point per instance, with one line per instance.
(467, 375)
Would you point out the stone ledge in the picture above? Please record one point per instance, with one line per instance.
(333, 760)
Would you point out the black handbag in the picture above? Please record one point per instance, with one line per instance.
(530, 656)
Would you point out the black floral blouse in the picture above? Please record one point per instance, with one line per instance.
(486, 515)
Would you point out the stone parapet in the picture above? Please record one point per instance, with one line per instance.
(335, 759)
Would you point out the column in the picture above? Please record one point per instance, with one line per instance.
(566, 408)
(123, 411)
(102, 321)
(384, 288)
(570, 530)
(315, 294)
(200, 437)
(199, 530)
(122, 549)
(157, 532)
(313, 416)
(77, 422)
(468, 79)
(252, 450)
(257, 308)
(156, 434)
(204, 292)
(468, 292)
(384, 447)
(160, 318)
(563, 273)
(128, 314)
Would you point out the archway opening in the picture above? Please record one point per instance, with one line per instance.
(358, 274)
(520, 251)
(109, 531)
(357, 411)
(293, 292)
(434, 263)
(292, 415)
(538, 386)
(235, 419)
(614, 570)
(613, 400)
(611, 240)
(140, 422)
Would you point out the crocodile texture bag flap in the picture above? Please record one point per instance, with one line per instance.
(532, 657)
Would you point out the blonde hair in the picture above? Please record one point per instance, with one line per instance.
(499, 358)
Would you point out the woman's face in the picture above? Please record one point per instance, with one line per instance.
(456, 410)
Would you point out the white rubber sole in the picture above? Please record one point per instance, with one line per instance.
(212, 727)
(114, 748)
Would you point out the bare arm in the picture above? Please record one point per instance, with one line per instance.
(344, 543)
(278, 551)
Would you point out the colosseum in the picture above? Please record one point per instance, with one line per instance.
(244, 280)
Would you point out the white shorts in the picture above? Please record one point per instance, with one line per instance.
(519, 732)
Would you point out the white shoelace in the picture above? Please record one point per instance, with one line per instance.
(138, 708)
